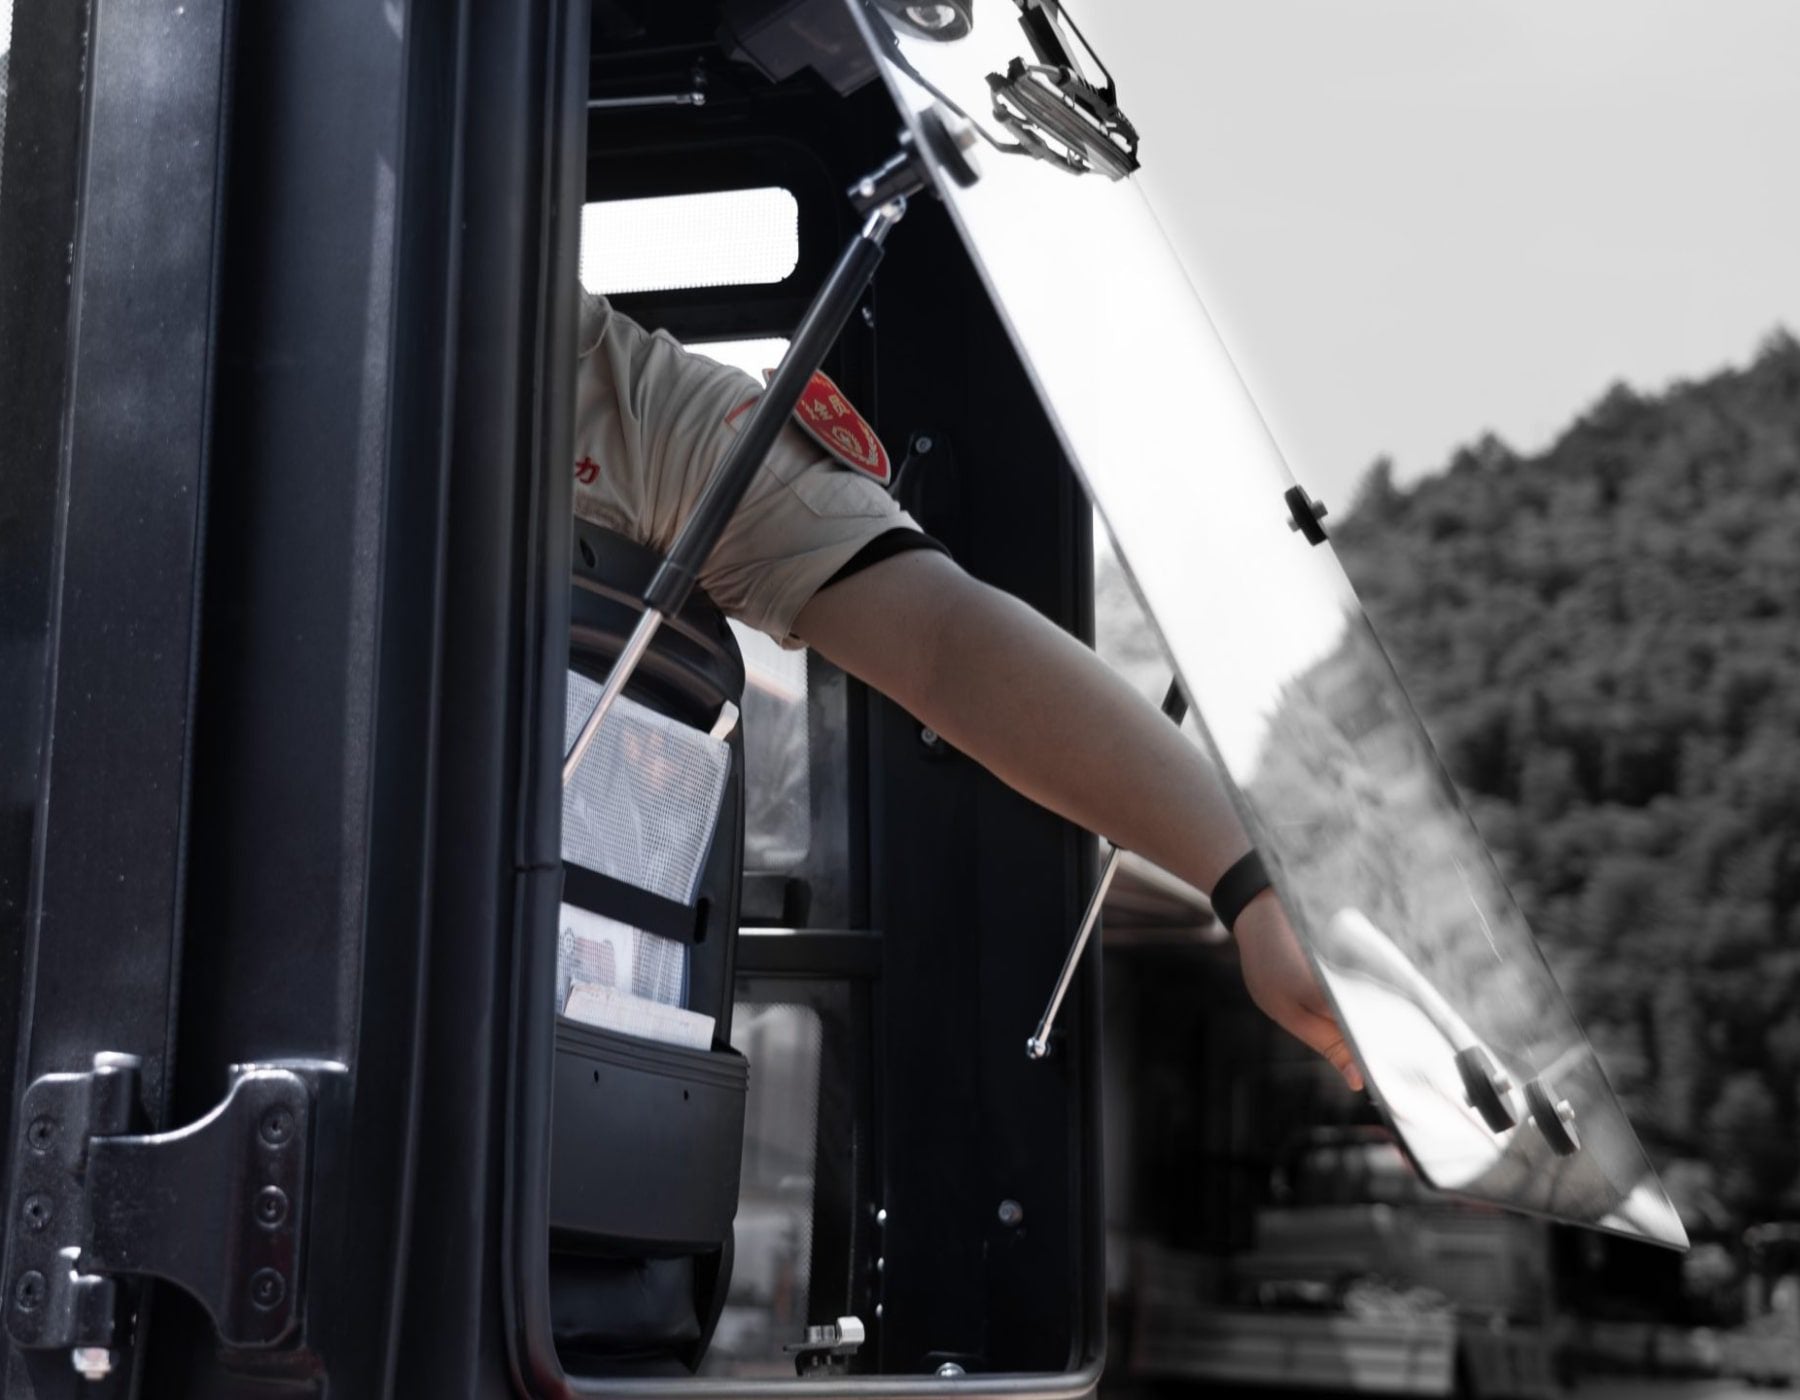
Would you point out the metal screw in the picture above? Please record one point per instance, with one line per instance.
(277, 1125)
(41, 1134)
(949, 1371)
(881, 1216)
(267, 1288)
(881, 1265)
(878, 1312)
(94, 1363)
(37, 1212)
(271, 1207)
(1011, 1213)
(930, 738)
(29, 1295)
(922, 443)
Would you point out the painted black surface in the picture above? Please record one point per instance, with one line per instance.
(976, 889)
(37, 215)
(106, 904)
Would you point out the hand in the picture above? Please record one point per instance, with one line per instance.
(1281, 982)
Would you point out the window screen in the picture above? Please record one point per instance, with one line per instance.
(723, 238)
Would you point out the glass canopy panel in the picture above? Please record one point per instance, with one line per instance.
(1465, 1038)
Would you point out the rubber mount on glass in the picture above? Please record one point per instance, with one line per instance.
(1486, 1088)
(1308, 514)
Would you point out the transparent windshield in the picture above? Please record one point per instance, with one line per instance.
(1466, 1038)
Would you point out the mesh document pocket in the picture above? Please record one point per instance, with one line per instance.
(641, 809)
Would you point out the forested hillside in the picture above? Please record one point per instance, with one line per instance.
(1604, 641)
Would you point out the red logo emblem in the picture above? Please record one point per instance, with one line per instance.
(587, 471)
(837, 427)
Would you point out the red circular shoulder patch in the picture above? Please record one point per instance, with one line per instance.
(831, 421)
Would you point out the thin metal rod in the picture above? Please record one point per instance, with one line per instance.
(1039, 1044)
(648, 99)
(674, 577)
(818, 329)
(635, 647)
(1174, 705)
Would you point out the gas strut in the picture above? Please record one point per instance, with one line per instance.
(880, 197)
(1174, 705)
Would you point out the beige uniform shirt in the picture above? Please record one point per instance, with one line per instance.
(653, 421)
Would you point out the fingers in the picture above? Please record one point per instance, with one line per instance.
(1345, 1064)
(1322, 1034)
(1282, 983)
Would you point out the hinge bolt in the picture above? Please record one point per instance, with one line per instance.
(37, 1212)
(267, 1288)
(271, 1206)
(41, 1134)
(277, 1125)
(1011, 1214)
(29, 1295)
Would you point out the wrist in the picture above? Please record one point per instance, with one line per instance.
(1246, 880)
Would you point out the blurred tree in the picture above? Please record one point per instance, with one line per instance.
(1604, 640)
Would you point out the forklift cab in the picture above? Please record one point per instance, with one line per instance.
(300, 629)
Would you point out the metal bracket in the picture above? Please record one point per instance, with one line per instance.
(218, 1208)
(828, 1348)
(949, 140)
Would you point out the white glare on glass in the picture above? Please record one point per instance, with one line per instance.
(724, 238)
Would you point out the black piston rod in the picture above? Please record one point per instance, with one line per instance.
(1174, 705)
(825, 317)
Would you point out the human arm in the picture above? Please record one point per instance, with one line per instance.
(1046, 716)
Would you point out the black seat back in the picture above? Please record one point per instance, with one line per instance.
(647, 1139)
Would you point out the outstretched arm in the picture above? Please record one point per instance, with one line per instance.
(1045, 715)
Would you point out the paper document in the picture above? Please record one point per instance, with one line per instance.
(593, 948)
(612, 1010)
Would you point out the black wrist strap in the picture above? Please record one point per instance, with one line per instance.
(1246, 879)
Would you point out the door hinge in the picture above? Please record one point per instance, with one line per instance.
(218, 1208)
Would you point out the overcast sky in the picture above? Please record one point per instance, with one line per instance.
(1414, 220)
